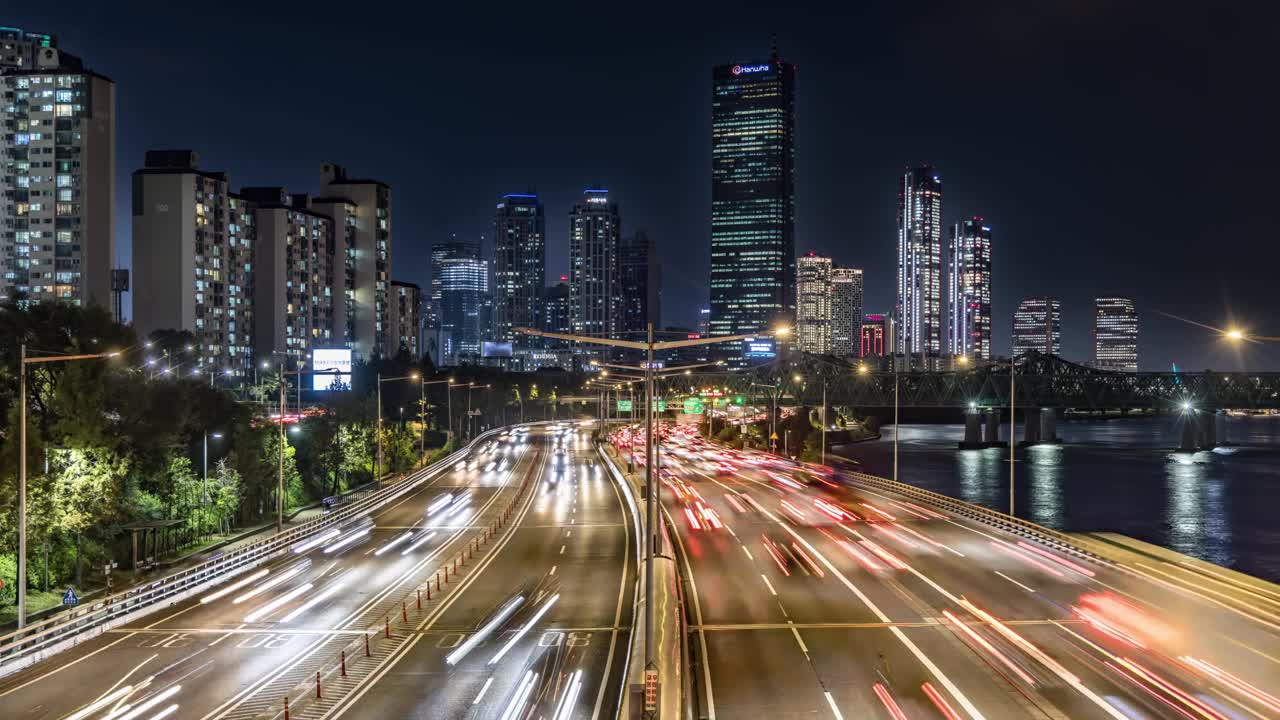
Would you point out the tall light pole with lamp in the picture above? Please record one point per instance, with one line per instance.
(23, 362)
(379, 461)
(652, 531)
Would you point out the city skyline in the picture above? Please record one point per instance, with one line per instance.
(1034, 240)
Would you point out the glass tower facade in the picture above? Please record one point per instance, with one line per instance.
(1115, 334)
(519, 265)
(595, 284)
(753, 266)
(1037, 325)
(813, 304)
(461, 280)
(846, 311)
(969, 289)
(919, 306)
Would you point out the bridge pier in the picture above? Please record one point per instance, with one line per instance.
(1031, 426)
(1208, 430)
(1049, 426)
(991, 435)
(1220, 425)
(972, 430)
(1200, 430)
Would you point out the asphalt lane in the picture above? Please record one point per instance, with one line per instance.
(209, 657)
(572, 545)
(899, 609)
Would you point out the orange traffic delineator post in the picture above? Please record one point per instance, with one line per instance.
(404, 612)
(420, 596)
(387, 626)
(344, 663)
(366, 644)
(286, 707)
(318, 685)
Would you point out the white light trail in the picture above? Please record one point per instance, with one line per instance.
(439, 504)
(393, 543)
(140, 709)
(417, 543)
(525, 628)
(325, 595)
(268, 584)
(271, 606)
(166, 712)
(564, 711)
(233, 587)
(466, 647)
(101, 703)
(320, 539)
(522, 692)
(348, 540)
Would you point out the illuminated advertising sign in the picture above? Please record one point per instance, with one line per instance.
(495, 349)
(759, 348)
(332, 370)
(747, 69)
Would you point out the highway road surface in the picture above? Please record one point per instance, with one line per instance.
(812, 597)
(238, 650)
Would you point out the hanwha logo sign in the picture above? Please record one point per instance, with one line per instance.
(740, 69)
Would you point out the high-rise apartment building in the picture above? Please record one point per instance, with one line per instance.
(873, 335)
(753, 270)
(595, 285)
(57, 174)
(193, 247)
(557, 310)
(19, 48)
(813, 304)
(846, 311)
(371, 228)
(969, 289)
(296, 264)
(406, 318)
(1115, 334)
(1037, 325)
(519, 265)
(919, 305)
(462, 280)
(641, 277)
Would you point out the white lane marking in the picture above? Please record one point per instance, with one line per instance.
(766, 582)
(803, 647)
(224, 637)
(1015, 582)
(731, 532)
(832, 702)
(483, 690)
(553, 570)
(567, 533)
(748, 552)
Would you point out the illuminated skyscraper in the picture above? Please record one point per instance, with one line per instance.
(846, 311)
(813, 304)
(1037, 325)
(919, 306)
(873, 335)
(519, 265)
(595, 284)
(641, 277)
(406, 318)
(969, 290)
(461, 279)
(1115, 334)
(753, 270)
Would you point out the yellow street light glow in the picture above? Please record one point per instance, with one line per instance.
(1235, 334)
(964, 359)
(782, 331)
(797, 378)
(862, 370)
(414, 376)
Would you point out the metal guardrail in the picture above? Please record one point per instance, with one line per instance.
(1058, 540)
(74, 625)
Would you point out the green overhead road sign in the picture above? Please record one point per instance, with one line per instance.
(624, 406)
(693, 406)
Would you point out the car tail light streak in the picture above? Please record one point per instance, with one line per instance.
(940, 702)
(833, 511)
(439, 504)
(424, 537)
(130, 712)
(485, 630)
(1196, 705)
(288, 573)
(808, 560)
(349, 540)
(887, 530)
(564, 710)
(793, 511)
(324, 595)
(1103, 626)
(784, 481)
(1260, 696)
(866, 560)
(1023, 643)
(878, 511)
(991, 649)
(1061, 561)
(694, 523)
(889, 703)
(909, 511)
(733, 500)
(401, 538)
(104, 701)
(1024, 557)
(884, 555)
(772, 549)
(709, 516)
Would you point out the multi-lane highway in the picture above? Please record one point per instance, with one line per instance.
(522, 549)
(814, 597)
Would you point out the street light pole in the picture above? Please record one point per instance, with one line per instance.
(377, 471)
(1012, 427)
(824, 422)
(897, 428)
(280, 460)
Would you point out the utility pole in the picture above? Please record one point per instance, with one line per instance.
(824, 421)
(22, 486)
(897, 429)
(377, 473)
(1012, 427)
(280, 461)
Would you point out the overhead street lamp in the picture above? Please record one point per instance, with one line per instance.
(422, 401)
(379, 462)
(653, 537)
(23, 362)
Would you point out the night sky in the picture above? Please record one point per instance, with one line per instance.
(1114, 147)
